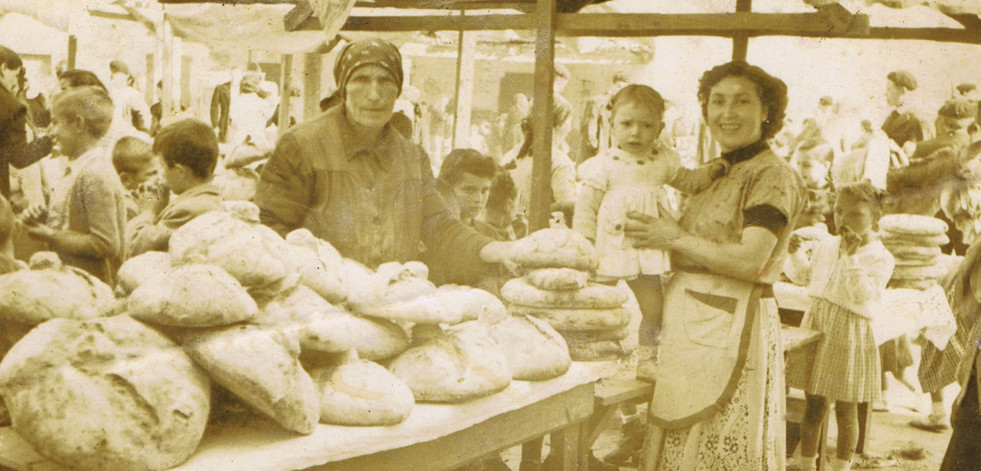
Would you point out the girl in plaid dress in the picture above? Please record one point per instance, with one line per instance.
(848, 276)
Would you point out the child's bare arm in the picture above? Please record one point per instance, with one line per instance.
(695, 180)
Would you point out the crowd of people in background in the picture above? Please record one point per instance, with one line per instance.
(120, 178)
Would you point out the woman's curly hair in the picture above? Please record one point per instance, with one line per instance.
(772, 92)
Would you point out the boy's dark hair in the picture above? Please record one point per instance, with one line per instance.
(10, 59)
(81, 78)
(461, 161)
(130, 153)
(864, 191)
(191, 143)
(502, 191)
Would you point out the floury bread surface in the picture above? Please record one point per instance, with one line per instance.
(195, 295)
(361, 392)
(105, 394)
(535, 351)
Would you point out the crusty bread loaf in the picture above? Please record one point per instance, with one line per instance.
(893, 239)
(593, 296)
(260, 367)
(252, 253)
(576, 319)
(914, 252)
(361, 392)
(107, 393)
(931, 272)
(473, 303)
(535, 351)
(321, 266)
(51, 290)
(557, 279)
(586, 336)
(139, 269)
(373, 339)
(555, 247)
(602, 350)
(401, 292)
(194, 295)
(454, 367)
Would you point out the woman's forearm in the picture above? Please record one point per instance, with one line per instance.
(745, 260)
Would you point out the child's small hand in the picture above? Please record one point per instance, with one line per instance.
(152, 199)
(794, 243)
(34, 214)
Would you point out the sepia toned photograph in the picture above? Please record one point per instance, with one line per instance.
(490, 235)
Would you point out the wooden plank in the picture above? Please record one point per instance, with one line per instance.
(616, 390)
(285, 84)
(494, 22)
(541, 169)
(463, 93)
(740, 42)
(498, 433)
(312, 68)
(72, 50)
(525, 5)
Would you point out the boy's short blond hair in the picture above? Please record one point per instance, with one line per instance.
(90, 103)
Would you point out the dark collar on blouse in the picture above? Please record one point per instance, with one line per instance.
(745, 153)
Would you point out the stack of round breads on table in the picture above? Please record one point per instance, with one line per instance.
(287, 327)
(915, 242)
(590, 316)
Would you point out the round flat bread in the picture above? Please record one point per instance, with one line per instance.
(557, 279)
(555, 247)
(893, 238)
(912, 224)
(596, 351)
(593, 296)
(586, 336)
(576, 319)
(912, 262)
(913, 284)
(932, 272)
(913, 252)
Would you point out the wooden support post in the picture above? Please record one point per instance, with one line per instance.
(167, 71)
(186, 62)
(740, 42)
(465, 63)
(541, 173)
(149, 86)
(312, 67)
(285, 77)
(72, 50)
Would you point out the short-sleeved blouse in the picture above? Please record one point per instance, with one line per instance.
(716, 213)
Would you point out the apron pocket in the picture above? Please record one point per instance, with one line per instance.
(708, 318)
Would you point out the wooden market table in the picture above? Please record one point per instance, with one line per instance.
(434, 437)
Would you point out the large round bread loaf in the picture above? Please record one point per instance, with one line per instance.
(912, 224)
(105, 394)
(555, 247)
(193, 295)
(454, 367)
(473, 303)
(260, 367)
(932, 272)
(576, 319)
(535, 351)
(252, 253)
(892, 239)
(372, 338)
(360, 392)
(557, 279)
(401, 292)
(593, 296)
(914, 252)
(52, 290)
(139, 269)
(321, 266)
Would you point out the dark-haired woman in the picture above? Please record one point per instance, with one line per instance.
(719, 400)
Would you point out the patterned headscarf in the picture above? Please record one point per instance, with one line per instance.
(368, 52)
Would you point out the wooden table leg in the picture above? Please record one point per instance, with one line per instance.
(565, 447)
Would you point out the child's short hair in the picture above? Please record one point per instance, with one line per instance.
(191, 143)
(864, 191)
(502, 192)
(90, 103)
(460, 161)
(130, 154)
(76, 78)
(640, 94)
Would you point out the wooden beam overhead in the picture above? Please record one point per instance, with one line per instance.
(438, 23)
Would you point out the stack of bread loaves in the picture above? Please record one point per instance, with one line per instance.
(915, 243)
(590, 316)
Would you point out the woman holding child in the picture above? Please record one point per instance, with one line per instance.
(720, 318)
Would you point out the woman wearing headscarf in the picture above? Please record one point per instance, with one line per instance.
(350, 178)
(719, 400)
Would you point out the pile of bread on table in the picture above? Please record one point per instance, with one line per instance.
(236, 318)
(915, 243)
